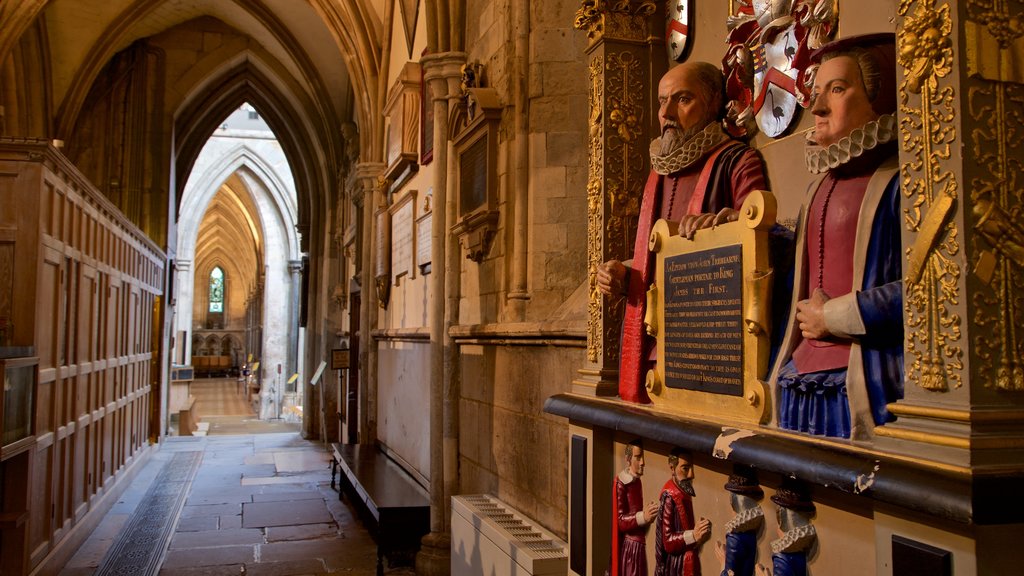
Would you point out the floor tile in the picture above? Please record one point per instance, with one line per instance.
(262, 514)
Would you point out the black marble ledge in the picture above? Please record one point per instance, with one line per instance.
(966, 498)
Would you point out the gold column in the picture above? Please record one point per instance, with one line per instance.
(960, 93)
(625, 60)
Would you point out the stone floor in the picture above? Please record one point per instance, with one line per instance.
(252, 503)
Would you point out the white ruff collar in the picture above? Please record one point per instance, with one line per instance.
(796, 540)
(689, 152)
(867, 137)
(745, 521)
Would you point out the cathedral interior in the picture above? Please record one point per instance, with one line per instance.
(379, 225)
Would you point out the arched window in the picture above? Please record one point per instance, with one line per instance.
(217, 290)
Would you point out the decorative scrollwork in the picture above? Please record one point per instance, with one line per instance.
(997, 199)
(619, 18)
(995, 16)
(928, 132)
(595, 213)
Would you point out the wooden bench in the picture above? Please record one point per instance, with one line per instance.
(392, 504)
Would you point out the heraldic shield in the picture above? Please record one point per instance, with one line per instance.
(677, 28)
(768, 61)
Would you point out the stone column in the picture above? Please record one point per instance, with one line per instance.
(443, 71)
(367, 174)
(184, 284)
(624, 61)
(961, 156)
(295, 288)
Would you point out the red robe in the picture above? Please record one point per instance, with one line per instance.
(723, 179)
(629, 529)
(676, 556)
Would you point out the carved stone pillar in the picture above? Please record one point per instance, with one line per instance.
(625, 60)
(961, 156)
(434, 559)
(367, 174)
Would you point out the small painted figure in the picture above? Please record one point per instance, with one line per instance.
(699, 179)
(796, 533)
(738, 554)
(632, 516)
(841, 361)
(678, 536)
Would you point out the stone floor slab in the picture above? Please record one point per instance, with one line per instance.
(212, 538)
(190, 511)
(304, 461)
(263, 514)
(197, 524)
(305, 532)
(231, 522)
(263, 458)
(287, 568)
(196, 557)
(287, 496)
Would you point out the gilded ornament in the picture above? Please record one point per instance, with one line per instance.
(994, 103)
(618, 18)
(925, 48)
(928, 132)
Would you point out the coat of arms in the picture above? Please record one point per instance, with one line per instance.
(677, 28)
(767, 63)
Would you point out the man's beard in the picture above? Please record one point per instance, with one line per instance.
(687, 487)
(674, 136)
(677, 149)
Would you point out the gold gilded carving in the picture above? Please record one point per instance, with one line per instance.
(928, 131)
(615, 184)
(595, 212)
(994, 40)
(928, 236)
(621, 19)
(997, 196)
(709, 313)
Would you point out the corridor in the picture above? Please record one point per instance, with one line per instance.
(257, 503)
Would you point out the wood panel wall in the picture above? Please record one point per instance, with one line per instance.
(90, 315)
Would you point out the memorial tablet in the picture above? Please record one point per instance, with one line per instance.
(704, 321)
(708, 309)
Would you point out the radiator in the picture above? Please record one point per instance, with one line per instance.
(490, 538)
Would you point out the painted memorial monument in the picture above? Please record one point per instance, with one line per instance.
(864, 388)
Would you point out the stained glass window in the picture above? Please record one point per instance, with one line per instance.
(217, 290)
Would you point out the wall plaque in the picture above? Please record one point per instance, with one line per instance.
(709, 310)
(704, 321)
(382, 256)
(424, 243)
(403, 237)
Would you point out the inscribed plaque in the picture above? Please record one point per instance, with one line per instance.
(423, 241)
(708, 310)
(402, 237)
(704, 321)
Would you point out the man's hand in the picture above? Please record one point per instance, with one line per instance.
(702, 530)
(610, 278)
(693, 222)
(810, 316)
(651, 510)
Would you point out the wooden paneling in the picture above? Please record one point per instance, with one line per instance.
(90, 318)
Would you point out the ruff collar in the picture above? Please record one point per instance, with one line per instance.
(626, 476)
(795, 540)
(693, 149)
(745, 521)
(868, 137)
